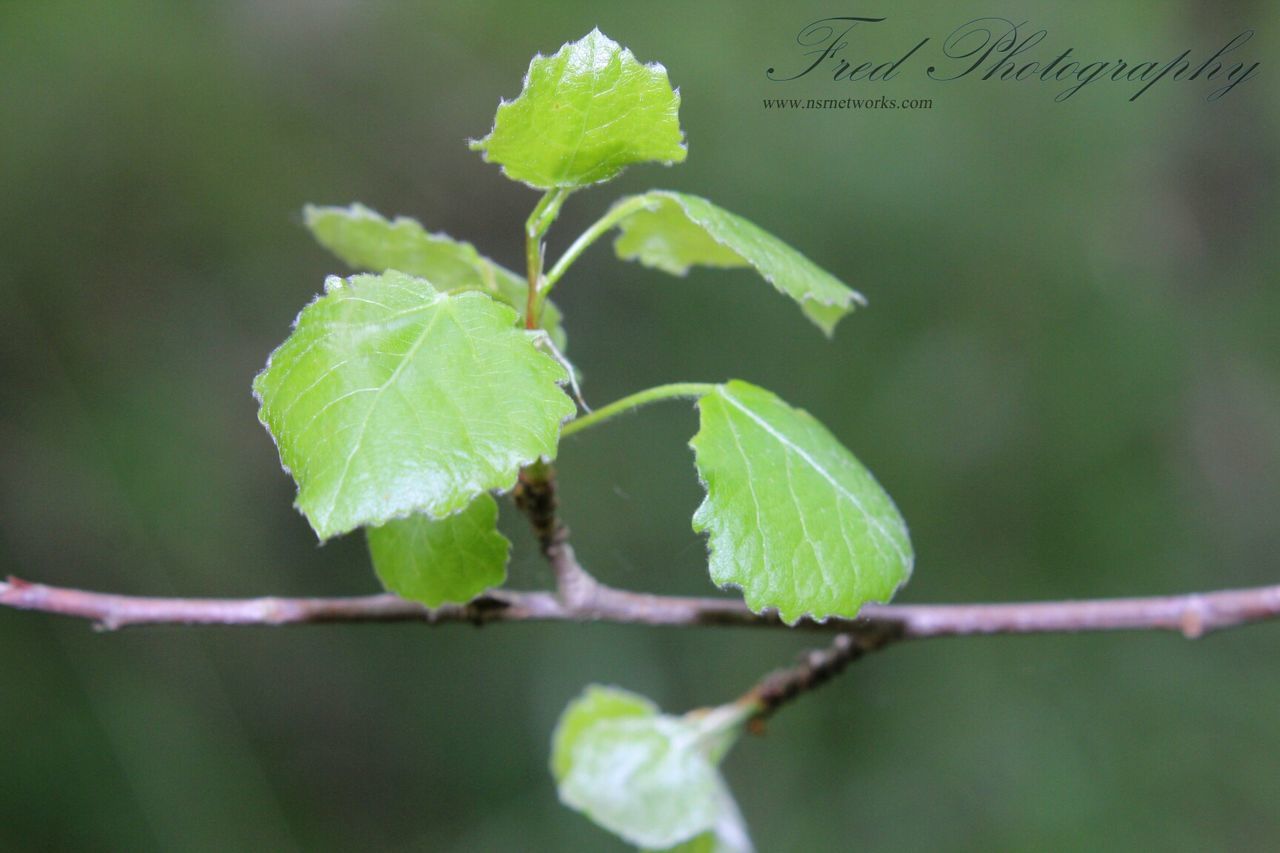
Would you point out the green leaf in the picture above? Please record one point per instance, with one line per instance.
(595, 704)
(794, 519)
(584, 114)
(391, 398)
(728, 836)
(673, 231)
(438, 560)
(369, 242)
(648, 777)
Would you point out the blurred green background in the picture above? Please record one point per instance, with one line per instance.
(1067, 378)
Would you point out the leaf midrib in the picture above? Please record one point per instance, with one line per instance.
(377, 397)
(813, 463)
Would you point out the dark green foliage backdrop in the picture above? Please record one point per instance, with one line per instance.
(1067, 378)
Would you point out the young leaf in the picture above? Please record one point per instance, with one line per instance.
(794, 519)
(369, 242)
(391, 398)
(645, 776)
(673, 231)
(729, 835)
(594, 705)
(438, 560)
(583, 115)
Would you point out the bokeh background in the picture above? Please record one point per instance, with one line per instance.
(1067, 378)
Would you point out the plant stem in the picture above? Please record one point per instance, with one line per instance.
(535, 496)
(535, 228)
(611, 218)
(676, 390)
(815, 668)
(1192, 615)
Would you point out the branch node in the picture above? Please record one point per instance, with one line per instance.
(481, 611)
(1194, 617)
(535, 496)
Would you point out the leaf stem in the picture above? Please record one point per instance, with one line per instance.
(676, 390)
(535, 228)
(545, 212)
(612, 217)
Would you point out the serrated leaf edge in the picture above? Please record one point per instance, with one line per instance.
(481, 144)
(753, 602)
(488, 268)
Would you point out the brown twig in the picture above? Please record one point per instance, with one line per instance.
(535, 496)
(815, 668)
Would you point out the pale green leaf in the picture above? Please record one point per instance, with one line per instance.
(794, 519)
(729, 835)
(368, 242)
(584, 114)
(648, 777)
(673, 231)
(595, 704)
(438, 560)
(392, 398)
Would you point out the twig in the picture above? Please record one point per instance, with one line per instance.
(535, 496)
(816, 668)
(1190, 615)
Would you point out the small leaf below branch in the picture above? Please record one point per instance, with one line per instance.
(442, 560)
(648, 777)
